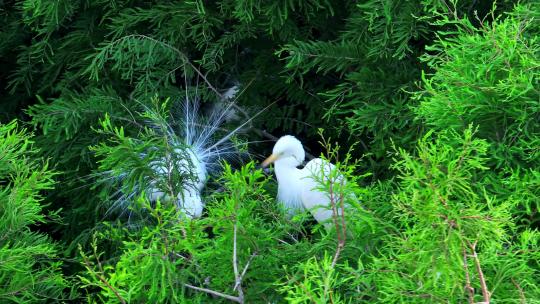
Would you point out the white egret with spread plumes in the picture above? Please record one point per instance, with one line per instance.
(204, 149)
(194, 146)
(300, 189)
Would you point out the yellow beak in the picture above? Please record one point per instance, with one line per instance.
(272, 158)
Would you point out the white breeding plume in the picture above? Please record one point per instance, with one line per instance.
(300, 189)
(204, 144)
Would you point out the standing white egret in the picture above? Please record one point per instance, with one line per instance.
(300, 188)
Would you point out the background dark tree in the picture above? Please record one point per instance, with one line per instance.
(439, 100)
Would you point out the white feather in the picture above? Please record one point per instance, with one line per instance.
(300, 189)
(204, 149)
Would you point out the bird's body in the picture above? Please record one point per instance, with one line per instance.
(300, 189)
(188, 199)
(202, 147)
(290, 197)
(313, 199)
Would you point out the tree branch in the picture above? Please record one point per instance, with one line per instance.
(237, 277)
(102, 279)
(468, 287)
(522, 298)
(485, 292)
(245, 268)
(339, 221)
(215, 293)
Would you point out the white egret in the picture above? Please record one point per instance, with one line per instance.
(202, 150)
(301, 188)
(196, 145)
(199, 143)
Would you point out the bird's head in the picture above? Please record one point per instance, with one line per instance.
(288, 150)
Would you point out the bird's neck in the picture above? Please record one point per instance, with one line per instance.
(286, 169)
(289, 185)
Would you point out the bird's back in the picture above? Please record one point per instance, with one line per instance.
(317, 195)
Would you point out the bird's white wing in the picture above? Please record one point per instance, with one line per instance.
(316, 175)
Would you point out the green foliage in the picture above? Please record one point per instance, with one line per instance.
(438, 98)
(449, 225)
(29, 265)
(370, 103)
(241, 221)
(523, 188)
(169, 252)
(128, 166)
(488, 76)
(63, 120)
(65, 123)
(153, 264)
(149, 65)
(376, 59)
(320, 281)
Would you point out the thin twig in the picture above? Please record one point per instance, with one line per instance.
(522, 298)
(182, 56)
(485, 292)
(103, 280)
(245, 268)
(238, 278)
(215, 293)
(468, 286)
(334, 214)
(342, 206)
(340, 229)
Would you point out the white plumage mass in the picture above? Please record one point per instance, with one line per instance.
(300, 189)
(204, 148)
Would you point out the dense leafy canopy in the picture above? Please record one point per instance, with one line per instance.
(438, 103)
